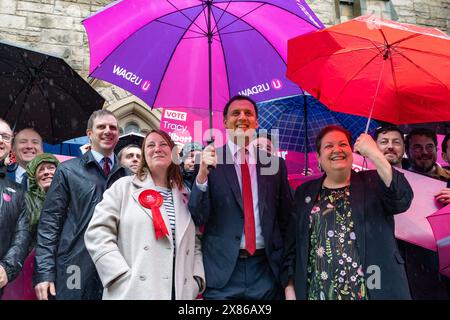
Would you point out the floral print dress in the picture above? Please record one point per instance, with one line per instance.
(334, 268)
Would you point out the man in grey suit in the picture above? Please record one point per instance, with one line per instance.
(245, 205)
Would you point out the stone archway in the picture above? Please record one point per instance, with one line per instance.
(128, 108)
(132, 110)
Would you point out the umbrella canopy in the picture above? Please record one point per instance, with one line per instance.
(186, 53)
(440, 224)
(399, 72)
(67, 148)
(129, 138)
(42, 91)
(288, 117)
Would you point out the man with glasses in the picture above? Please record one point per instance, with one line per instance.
(14, 224)
(421, 147)
(422, 265)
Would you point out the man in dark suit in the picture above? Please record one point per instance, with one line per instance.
(245, 205)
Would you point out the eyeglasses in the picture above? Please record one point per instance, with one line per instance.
(6, 137)
(417, 148)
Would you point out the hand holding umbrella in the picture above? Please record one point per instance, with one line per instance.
(208, 159)
(367, 147)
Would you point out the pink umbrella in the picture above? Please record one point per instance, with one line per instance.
(440, 224)
(412, 225)
(197, 53)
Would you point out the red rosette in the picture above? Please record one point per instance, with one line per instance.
(152, 199)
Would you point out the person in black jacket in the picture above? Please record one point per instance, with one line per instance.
(14, 224)
(188, 155)
(62, 264)
(342, 246)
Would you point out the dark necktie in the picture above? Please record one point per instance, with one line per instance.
(106, 167)
(249, 216)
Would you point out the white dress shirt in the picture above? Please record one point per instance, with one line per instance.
(19, 174)
(99, 158)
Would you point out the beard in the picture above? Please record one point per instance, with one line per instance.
(392, 158)
(423, 167)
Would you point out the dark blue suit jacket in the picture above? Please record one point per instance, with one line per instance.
(11, 175)
(220, 209)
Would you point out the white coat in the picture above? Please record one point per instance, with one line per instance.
(131, 263)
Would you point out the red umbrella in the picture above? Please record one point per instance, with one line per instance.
(370, 67)
(440, 224)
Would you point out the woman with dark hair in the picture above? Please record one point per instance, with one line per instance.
(155, 253)
(342, 246)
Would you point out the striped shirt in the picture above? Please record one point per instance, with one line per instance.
(170, 209)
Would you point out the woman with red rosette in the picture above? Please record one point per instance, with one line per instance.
(141, 237)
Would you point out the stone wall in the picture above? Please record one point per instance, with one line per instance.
(432, 13)
(50, 25)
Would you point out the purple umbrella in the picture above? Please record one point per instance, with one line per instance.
(197, 53)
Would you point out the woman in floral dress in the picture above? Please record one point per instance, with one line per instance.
(342, 246)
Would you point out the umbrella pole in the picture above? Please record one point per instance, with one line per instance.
(305, 116)
(210, 38)
(376, 93)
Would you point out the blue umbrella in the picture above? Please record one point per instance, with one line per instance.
(288, 116)
(68, 148)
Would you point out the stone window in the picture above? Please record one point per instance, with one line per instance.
(131, 127)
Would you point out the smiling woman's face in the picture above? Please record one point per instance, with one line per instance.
(44, 175)
(335, 152)
(158, 154)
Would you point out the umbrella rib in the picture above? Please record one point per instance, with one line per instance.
(394, 79)
(205, 8)
(257, 31)
(419, 67)
(237, 18)
(4, 116)
(192, 21)
(329, 55)
(406, 38)
(386, 42)
(20, 91)
(375, 44)
(344, 51)
(30, 84)
(70, 95)
(238, 31)
(358, 72)
(421, 51)
(224, 60)
(168, 61)
(194, 37)
(179, 27)
(12, 65)
(220, 18)
(39, 85)
(283, 9)
(137, 30)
